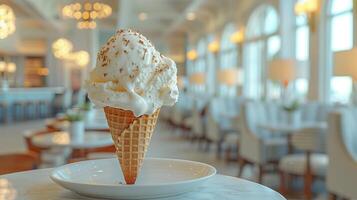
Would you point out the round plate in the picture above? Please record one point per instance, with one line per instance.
(158, 178)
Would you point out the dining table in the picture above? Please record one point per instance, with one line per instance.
(91, 139)
(288, 129)
(17, 186)
(67, 148)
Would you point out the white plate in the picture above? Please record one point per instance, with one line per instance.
(159, 178)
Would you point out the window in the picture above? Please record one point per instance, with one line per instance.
(263, 43)
(211, 68)
(302, 37)
(341, 36)
(198, 66)
(228, 59)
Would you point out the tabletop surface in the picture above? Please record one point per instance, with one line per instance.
(92, 139)
(17, 186)
(95, 124)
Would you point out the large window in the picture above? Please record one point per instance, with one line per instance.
(263, 43)
(228, 58)
(199, 66)
(340, 20)
(211, 68)
(302, 36)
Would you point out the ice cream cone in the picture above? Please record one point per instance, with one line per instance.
(131, 137)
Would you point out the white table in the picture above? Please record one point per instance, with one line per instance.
(17, 186)
(63, 139)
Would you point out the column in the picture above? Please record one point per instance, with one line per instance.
(287, 24)
(124, 15)
(355, 23)
(316, 82)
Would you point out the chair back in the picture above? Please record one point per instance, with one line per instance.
(212, 127)
(341, 148)
(197, 126)
(250, 142)
(17, 162)
(310, 139)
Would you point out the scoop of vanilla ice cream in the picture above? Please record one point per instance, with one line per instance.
(131, 75)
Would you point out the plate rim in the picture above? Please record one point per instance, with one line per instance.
(60, 181)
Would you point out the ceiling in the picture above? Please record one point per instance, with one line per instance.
(165, 24)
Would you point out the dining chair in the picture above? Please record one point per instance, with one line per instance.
(29, 134)
(341, 178)
(198, 133)
(255, 147)
(310, 164)
(217, 135)
(16, 162)
(47, 156)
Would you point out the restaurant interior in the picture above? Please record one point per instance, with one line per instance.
(267, 98)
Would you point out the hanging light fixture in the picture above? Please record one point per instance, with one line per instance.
(214, 46)
(7, 21)
(81, 58)
(63, 49)
(192, 54)
(309, 9)
(238, 36)
(87, 13)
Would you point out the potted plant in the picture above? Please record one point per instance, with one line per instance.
(86, 109)
(291, 110)
(76, 125)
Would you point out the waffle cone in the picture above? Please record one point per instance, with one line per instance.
(131, 136)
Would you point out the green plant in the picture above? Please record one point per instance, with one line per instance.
(73, 117)
(86, 106)
(292, 107)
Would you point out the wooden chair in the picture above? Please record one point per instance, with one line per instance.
(17, 162)
(28, 135)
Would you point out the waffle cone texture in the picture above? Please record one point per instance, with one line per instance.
(131, 136)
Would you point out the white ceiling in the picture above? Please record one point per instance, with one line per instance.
(165, 24)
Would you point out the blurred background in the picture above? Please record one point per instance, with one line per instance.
(267, 87)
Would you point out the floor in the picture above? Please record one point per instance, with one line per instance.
(166, 142)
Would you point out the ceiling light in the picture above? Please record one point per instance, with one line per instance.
(142, 16)
(87, 14)
(7, 21)
(191, 16)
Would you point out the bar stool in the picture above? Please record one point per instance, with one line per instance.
(43, 108)
(30, 110)
(18, 110)
(3, 112)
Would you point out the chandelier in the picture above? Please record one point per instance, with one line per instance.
(62, 49)
(87, 13)
(7, 21)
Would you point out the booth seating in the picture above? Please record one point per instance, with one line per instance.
(342, 151)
